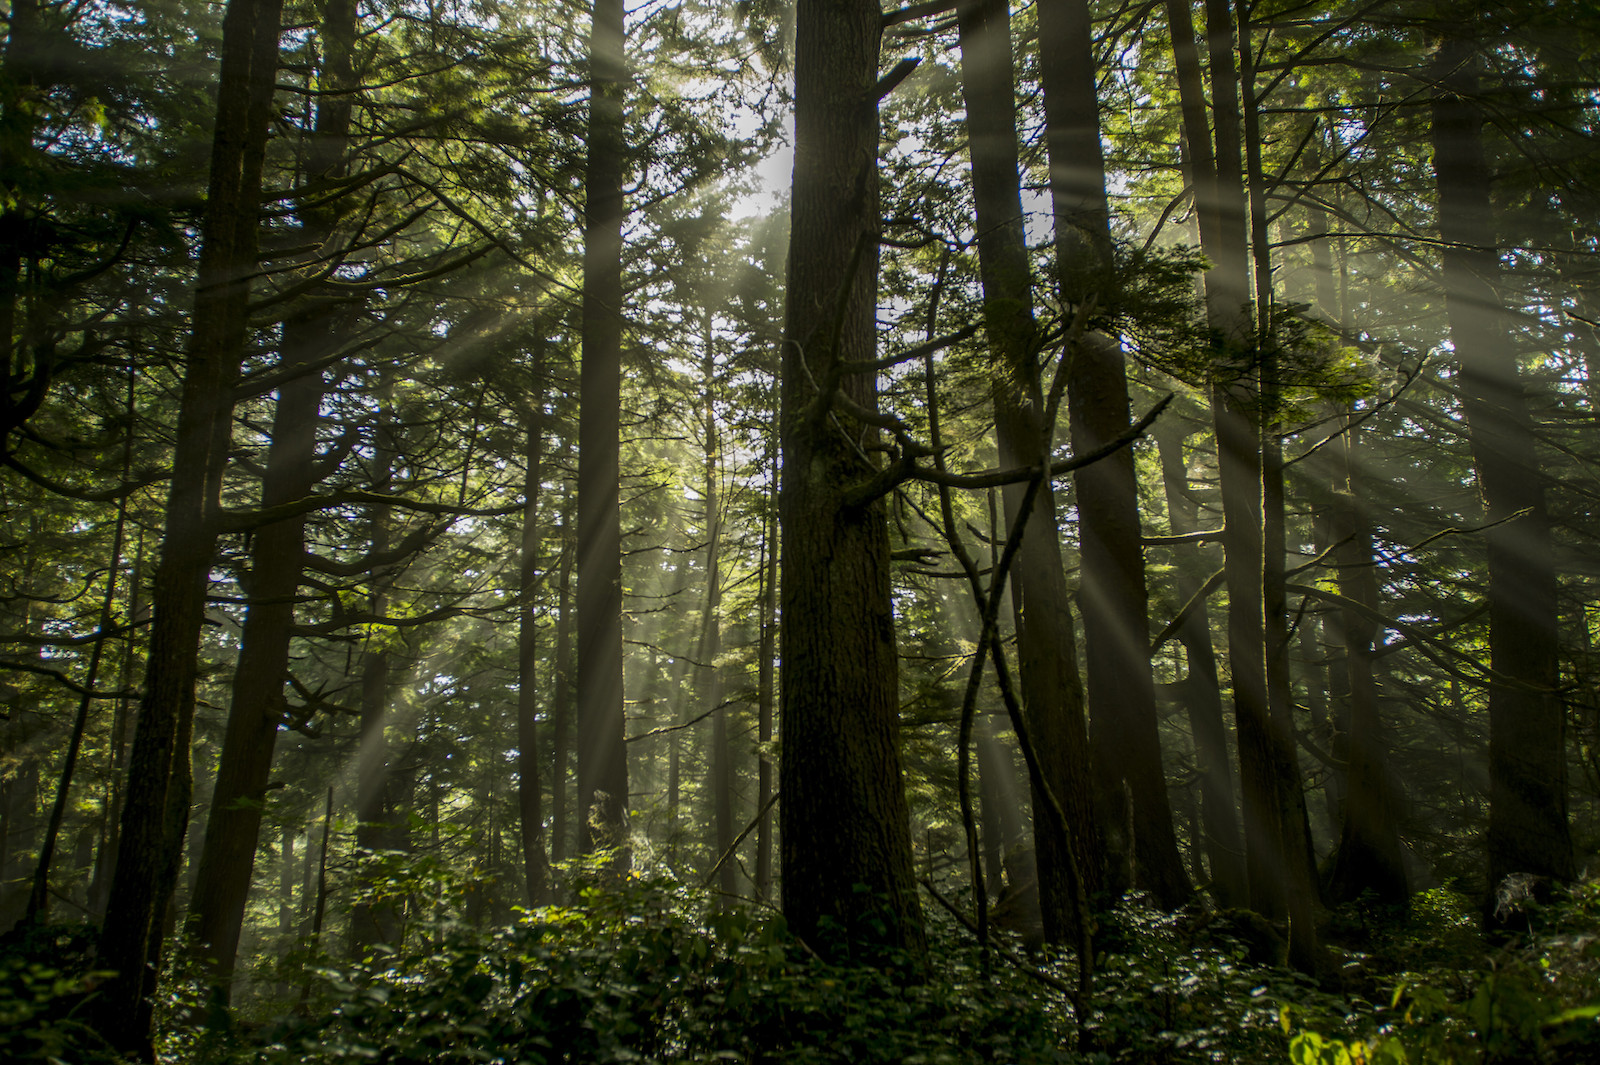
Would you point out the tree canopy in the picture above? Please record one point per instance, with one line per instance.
(796, 530)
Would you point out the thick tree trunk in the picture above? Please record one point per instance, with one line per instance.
(602, 757)
(24, 374)
(155, 810)
(848, 883)
(1047, 649)
(1528, 829)
(1124, 741)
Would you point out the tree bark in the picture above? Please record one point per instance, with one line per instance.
(259, 706)
(1369, 856)
(1202, 692)
(765, 689)
(848, 883)
(1528, 828)
(1124, 740)
(1052, 692)
(530, 794)
(602, 757)
(561, 696)
(156, 806)
(1273, 868)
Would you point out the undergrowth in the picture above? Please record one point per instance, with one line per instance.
(649, 971)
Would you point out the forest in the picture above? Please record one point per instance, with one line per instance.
(799, 531)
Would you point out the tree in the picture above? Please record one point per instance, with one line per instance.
(530, 798)
(258, 708)
(1528, 831)
(1124, 743)
(156, 808)
(1052, 692)
(840, 766)
(602, 759)
(1278, 860)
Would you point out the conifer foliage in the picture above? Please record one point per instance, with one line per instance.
(796, 530)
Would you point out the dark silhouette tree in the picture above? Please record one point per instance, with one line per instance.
(843, 823)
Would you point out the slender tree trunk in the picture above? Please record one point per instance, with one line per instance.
(1274, 868)
(765, 676)
(844, 822)
(1047, 647)
(530, 795)
(561, 696)
(286, 878)
(1298, 857)
(39, 897)
(1202, 693)
(374, 921)
(156, 806)
(997, 796)
(1369, 856)
(106, 858)
(710, 679)
(1528, 829)
(602, 757)
(1124, 740)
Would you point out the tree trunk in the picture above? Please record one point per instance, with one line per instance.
(1369, 856)
(39, 897)
(1124, 741)
(259, 706)
(1047, 646)
(602, 757)
(1272, 868)
(1528, 829)
(155, 810)
(286, 879)
(561, 696)
(374, 921)
(24, 377)
(710, 678)
(106, 858)
(765, 677)
(848, 884)
(1298, 858)
(1202, 693)
(530, 796)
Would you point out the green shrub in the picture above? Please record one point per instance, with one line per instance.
(45, 981)
(648, 972)
(1536, 999)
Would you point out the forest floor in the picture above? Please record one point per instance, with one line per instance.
(653, 972)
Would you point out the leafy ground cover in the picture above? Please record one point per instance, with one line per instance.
(652, 972)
